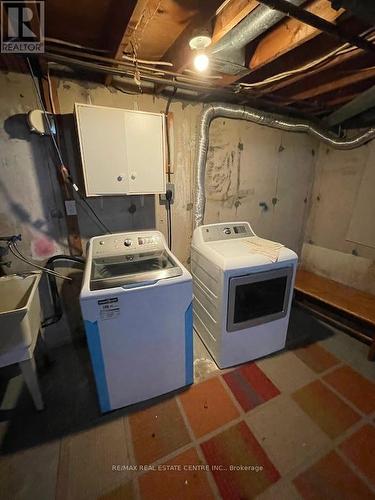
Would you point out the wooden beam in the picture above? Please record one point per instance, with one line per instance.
(329, 64)
(356, 106)
(290, 34)
(230, 16)
(49, 94)
(119, 16)
(118, 19)
(318, 46)
(334, 85)
(155, 25)
(319, 23)
(287, 36)
(339, 100)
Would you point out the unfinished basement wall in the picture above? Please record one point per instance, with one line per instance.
(260, 175)
(253, 173)
(338, 206)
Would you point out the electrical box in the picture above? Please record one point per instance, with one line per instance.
(123, 151)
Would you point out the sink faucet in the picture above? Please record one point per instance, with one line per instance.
(4, 250)
(9, 239)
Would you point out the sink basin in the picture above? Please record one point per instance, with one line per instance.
(20, 313)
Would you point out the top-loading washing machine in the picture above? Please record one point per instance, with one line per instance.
(136, 302)
(243, 289)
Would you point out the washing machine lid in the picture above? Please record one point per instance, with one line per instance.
(132, 269)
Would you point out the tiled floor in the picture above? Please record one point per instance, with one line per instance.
(298, 424)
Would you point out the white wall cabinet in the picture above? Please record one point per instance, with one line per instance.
(123, 151)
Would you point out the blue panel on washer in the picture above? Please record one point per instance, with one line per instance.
(189, 345)
(95, 348)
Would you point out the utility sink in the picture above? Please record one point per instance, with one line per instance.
(20, 324)
(20, 312)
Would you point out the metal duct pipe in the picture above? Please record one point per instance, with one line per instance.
(261, 118)
(255, 24)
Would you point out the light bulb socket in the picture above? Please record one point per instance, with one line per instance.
(200, 40)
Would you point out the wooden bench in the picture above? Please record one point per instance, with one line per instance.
(346, 304)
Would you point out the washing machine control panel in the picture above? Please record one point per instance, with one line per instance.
(225, 231)
(120, 244)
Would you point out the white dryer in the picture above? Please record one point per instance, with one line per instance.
(242, 296)
(136, 305)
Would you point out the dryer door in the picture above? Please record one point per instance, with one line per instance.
(258, 298)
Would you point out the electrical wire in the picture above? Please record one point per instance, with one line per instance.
(75, 45)
(169, 234)
(127, 92)
(135, 60)
(169, 102)
(64, 170)
(167, 195)
(16, 252)
(343, 49)
(86, 204)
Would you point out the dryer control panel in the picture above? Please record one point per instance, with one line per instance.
(127, 243)
(226, 231)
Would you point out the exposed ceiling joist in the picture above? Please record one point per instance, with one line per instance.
(319, 23)
(336, 61)
(356, 106)
(363, 9)
(334, 85)
(290, 34)
(118, 20)
(285, 37)
(230, 16)
(338, 101)
(316, 74)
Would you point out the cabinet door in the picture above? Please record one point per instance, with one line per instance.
(144, 136)
(103, 149)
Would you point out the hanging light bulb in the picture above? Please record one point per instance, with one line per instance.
(198, 43)
(201, 62)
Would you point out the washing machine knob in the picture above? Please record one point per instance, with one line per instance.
(227, 230)
(127, 243)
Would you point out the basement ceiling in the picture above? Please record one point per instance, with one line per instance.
(293, 65)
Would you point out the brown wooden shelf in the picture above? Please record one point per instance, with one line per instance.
(354, 303)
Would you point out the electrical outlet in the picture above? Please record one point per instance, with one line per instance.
(170, 187)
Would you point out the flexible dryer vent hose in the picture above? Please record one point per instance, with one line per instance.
(235, 112)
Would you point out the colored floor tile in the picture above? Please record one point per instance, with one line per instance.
(237, 447)
(354, 387)
(286, 433)
(250, 386)
(86, 460)
(30, 473)
(282, 490)
(360, 449)
(208, 406)
(157, 431)
(286, 371)
(316, 357)
(180, 481)
(123, 492)
(351, 351)
(330, 478)
(327, 410)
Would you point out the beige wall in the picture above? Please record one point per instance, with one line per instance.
(248, 165)
(327, 250)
